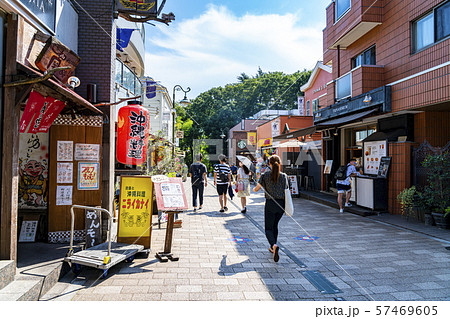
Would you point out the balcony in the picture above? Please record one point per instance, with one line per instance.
(362, 17)
(358, 81)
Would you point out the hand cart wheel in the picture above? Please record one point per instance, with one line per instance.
(130, 259)
(76, 269)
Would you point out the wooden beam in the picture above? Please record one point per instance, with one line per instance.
(10, 158)
(24, 92)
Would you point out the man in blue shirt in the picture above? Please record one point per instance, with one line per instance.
(344, 186)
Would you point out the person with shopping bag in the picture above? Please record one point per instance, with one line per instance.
(274, 183)
(243, 185)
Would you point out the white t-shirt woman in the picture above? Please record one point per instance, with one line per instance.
(243, 176)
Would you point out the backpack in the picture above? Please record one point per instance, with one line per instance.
(197, 175)
(223, 178)
(341, 173)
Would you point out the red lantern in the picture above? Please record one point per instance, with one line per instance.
(132, 135)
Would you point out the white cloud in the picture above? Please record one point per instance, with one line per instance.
(213, 49)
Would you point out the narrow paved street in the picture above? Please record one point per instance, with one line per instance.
(224, 256)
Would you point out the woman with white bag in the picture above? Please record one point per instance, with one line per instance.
(243, 185)
(274, 184)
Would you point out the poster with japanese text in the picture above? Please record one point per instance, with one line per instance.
(64, 152)
(64, 195)
(64, 173)
(87, 152)
(33, 171)
(88, 176)
(373, 152)
(28, 231)
(170, 195)
(135, 208)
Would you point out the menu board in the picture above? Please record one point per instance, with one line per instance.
(294, 185)
(170, 195)
(373, 152)
(384, 167)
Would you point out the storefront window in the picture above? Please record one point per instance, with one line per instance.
(138, 87)
(353, 141)
(119, 72)
(128, 79)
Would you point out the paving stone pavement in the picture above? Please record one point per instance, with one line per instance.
(366, 260)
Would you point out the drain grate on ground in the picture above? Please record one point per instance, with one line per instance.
(320, 282)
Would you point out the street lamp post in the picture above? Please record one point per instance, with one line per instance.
(184, 101)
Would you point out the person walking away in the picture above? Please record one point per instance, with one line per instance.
(273, 183)
(234, 171)
(343, 184)
(243, 182)
(222, 180)
(199, 181)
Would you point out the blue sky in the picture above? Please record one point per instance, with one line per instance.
(211, 42)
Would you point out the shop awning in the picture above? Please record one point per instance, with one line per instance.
(346, 119)
(390, 135)
(56, 90)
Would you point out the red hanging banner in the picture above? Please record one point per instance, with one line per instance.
(50, 115)
(36, 122)
(132, 135)
(34, 105)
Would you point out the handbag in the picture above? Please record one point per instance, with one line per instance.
(240, 186)
(288, 203)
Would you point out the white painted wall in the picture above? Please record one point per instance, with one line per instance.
(67, 24)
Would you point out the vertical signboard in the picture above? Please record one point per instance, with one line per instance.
(135, 210)
(44, 10)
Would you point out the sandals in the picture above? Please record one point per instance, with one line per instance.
(276, 256)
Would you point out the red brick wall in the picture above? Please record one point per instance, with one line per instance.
(399, 173)
(433, 127)
(366, 78)
(393, 51)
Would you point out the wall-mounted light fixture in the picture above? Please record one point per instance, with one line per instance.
(367, 98)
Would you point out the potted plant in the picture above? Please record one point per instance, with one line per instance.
(436, 194)
(406, 200)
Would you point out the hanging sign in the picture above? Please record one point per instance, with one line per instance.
(132, 135)
(137, 6)
(170, 196)
(251, 139)
(179, 134)
(55, 55)
(135, 210)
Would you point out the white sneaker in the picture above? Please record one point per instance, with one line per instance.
(341, 210)
(348, 205)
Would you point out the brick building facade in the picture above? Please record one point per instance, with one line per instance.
(390, 69)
